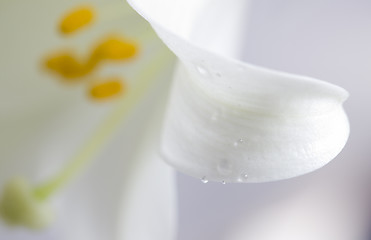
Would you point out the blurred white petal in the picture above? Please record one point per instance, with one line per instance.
(43, 123)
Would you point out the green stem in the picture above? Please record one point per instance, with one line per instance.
(106, 129)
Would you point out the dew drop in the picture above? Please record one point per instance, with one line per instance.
(203, 71)
(204, 180)
(223, 182)
(238, 142)
(243, 177)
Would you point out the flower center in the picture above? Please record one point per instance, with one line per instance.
(112, 48)
(27, 205)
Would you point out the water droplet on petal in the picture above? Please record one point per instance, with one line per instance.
(243, 177)
(203, 71)
(204, 180)
(238, 142)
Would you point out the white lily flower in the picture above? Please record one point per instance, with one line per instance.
(230, 121)
(77, 123)
(227, 121)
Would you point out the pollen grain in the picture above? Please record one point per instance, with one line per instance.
(114, 48)
(67, 65)
(107, 88)
(76, 19)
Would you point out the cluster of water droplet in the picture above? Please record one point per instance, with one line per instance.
(204, 179)
(238, 142)
(243, 178)
(224, 166)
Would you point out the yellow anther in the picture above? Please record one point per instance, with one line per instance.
(67, 66)
(114, 48)
(76, 19)
(109, 88)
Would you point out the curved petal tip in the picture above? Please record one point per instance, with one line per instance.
(230, 121)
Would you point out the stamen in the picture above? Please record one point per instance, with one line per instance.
(76, 19)
(67, 66)
(114, 48)
(113, 121)
(107, 88)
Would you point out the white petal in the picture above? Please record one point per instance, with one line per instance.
(127, 193)
(232, 121)
(44, 123)
(149, 200)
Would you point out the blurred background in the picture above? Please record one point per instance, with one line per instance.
(329, 40)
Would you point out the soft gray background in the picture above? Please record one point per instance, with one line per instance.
(326, 39)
